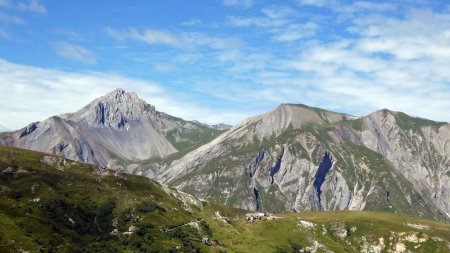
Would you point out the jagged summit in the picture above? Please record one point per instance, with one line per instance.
(120, 96)
(114, 109)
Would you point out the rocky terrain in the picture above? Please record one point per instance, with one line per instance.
(118, 130)
(296, 158)
(52, 204)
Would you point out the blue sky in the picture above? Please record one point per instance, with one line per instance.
(225, 60)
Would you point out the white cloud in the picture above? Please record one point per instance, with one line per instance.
(279, 11)
(421, 34)
(75, 52)
(149, 36)
(164, 68)
(295, 32)
(214, 42)
(256, 21)
(4, 34)
(11, 19)
(34, 94)
(360, 6)
(278, 20)
(317, 3)
(193, 22)
(5, 3)
(69, 34)
(184, 40)
(32, 6)
(238, 3)
(219, 47)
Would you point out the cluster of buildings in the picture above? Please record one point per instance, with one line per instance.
(253, 217)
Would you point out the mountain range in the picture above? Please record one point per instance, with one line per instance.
(294, 158)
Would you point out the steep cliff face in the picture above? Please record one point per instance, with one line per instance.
(297, 158)
(418, 149)
(115, 130)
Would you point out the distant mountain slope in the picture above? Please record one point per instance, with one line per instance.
(51, 204)
(298, 158)
(115, 130)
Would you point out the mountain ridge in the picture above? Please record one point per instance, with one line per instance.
(275, 158)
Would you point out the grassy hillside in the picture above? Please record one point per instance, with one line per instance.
(342, 231)
(50, 204)
(57, 205)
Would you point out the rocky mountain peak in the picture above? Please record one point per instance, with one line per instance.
(121, 96)
(294, 115)
(114, 109)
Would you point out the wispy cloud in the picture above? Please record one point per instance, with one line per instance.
(280, 21)
(8, 20)
(149, 36)
(421, 34)
(75, 52)
(364, 6)
(200, 45)
(255, 21)
(192, 22)
(4, 34)
(184, 40)
(164, 68)
(32, 6)
(279, 11)
(294, 32)
(239, 3)
(11, 19)
(69, 34)
(317, 3)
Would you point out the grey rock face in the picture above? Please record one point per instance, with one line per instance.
(278, 162)
(113, 130)
(418, 149)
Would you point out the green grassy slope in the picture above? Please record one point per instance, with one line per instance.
(342, 231)
(50, 204)
(62, 205)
